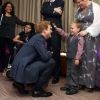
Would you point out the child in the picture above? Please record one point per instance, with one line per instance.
(24, 36)
(74, 54)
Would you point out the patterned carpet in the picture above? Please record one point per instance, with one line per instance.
(8, 92)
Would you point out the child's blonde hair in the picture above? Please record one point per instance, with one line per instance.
(78, 25)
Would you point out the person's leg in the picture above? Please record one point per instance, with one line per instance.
(20, 87)
(45, 73)
(56, 46)
(73, 78)
(3, 56)
(68, 76)
(44, 77)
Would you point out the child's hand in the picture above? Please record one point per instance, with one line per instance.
(54, 25)
(77, 62)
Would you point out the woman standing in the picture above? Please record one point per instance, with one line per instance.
(7, 33)
(87, 14)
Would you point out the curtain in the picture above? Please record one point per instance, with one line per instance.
(29, 10)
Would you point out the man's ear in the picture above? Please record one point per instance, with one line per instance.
(44, 31)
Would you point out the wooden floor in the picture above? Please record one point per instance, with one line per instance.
(8, 92)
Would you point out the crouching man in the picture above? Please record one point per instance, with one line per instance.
(33, 64)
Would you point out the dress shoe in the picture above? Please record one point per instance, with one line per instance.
(41, 93)
(14, 85)
(55, 81)
(65, 88)
(72, 90)
(20, 88)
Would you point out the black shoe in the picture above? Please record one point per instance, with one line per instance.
(41, 93)
(14, 85)
(71, 92)
(20, 88)
(65, 88)
(23, 91)
(55, 81)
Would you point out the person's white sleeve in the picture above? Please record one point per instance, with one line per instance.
(94, 28)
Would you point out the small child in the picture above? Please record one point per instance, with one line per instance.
(24, 36)
(74, 54)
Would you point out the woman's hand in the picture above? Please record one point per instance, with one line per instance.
(82, 33)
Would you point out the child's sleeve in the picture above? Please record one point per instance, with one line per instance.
(80, 48)
(62, 32)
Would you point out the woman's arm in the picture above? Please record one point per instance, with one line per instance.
(20, 22)
(17, 39)
(94, 29)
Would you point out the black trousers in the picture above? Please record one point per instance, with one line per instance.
(45, 73)
(6, 52)
(54, 44)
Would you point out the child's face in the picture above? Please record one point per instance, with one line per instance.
(27, 28)
(74, 30)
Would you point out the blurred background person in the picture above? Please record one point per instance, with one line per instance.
(52, 11)
(7, 33)
(24, 36)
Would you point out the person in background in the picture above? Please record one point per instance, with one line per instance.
(24, 36)
(7, 33)
(33, 64)
(87, 14)
(75, 45)
(52, 10)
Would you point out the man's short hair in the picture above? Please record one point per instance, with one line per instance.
(40, 26)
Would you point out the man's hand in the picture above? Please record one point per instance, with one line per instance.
(58, 10)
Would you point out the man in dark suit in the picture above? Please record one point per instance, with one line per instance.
(52, 11)
(33, 64)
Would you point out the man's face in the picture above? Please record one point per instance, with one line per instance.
(48, 31)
